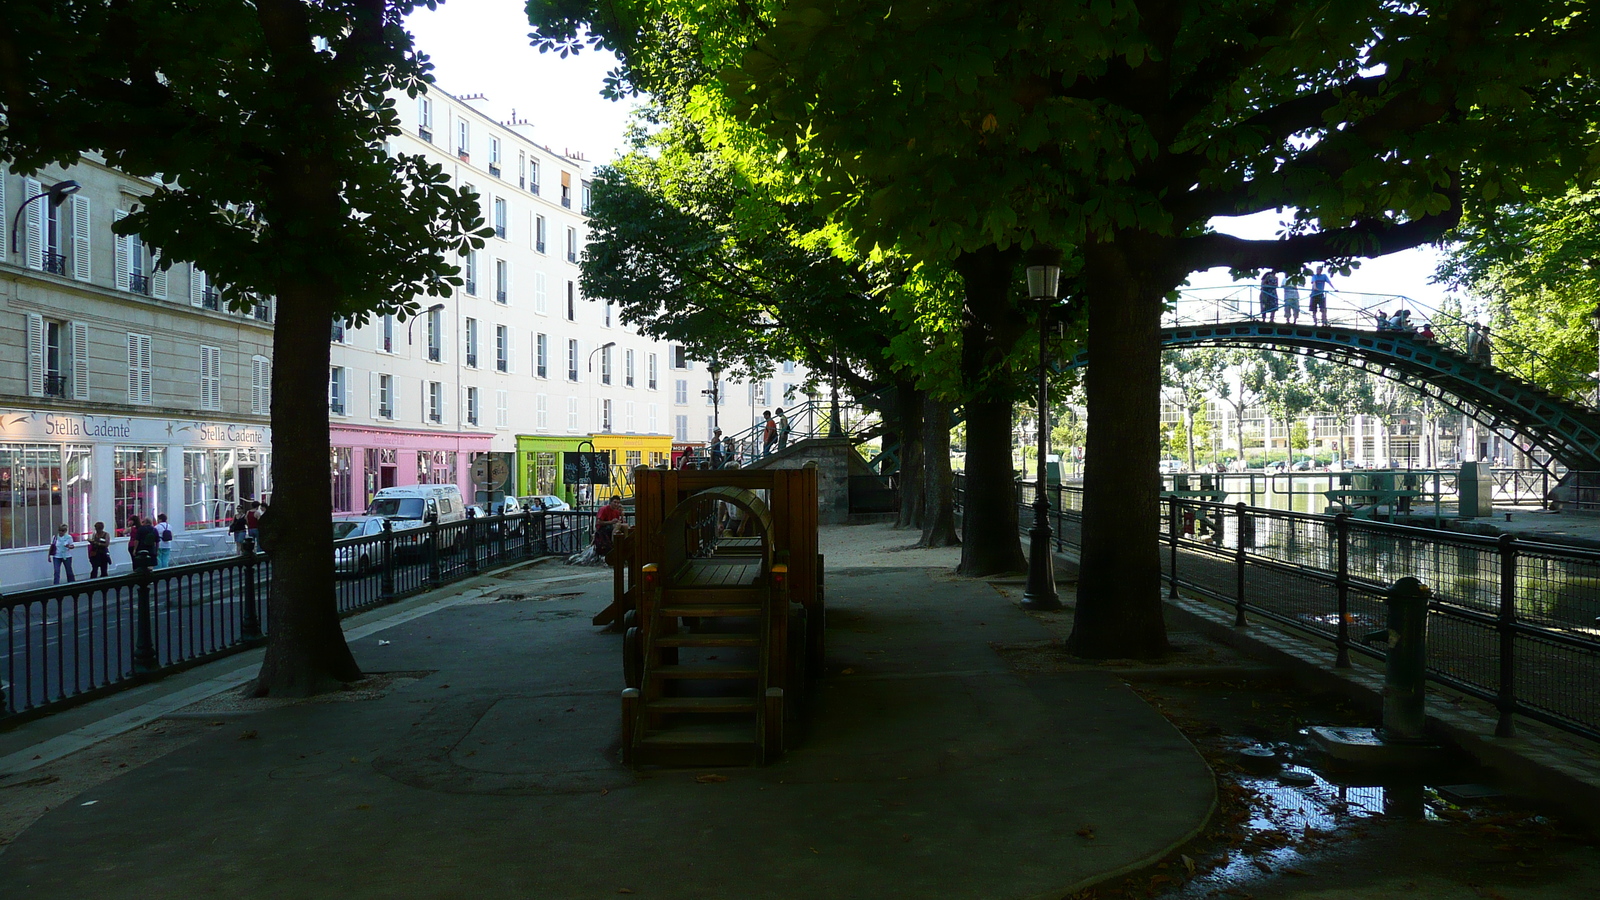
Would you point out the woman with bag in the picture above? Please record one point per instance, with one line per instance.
(99, 551)
(60, 553)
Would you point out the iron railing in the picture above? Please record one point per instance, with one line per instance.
(76, 641)
(1511, 622)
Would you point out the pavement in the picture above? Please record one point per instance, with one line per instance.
(481, 759)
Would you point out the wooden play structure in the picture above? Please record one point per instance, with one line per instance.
(719, 594)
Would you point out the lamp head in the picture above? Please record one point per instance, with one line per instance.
(61, 190)
(1043, 282)
(608, 345)
(434, 308)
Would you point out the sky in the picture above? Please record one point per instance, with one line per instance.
(482, 47)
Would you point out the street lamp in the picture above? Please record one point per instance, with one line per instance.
(58, 194)
(603, 347)
(413, 323)
(713, 392)
(1594, 319)
(1040, 592)
(835, 429)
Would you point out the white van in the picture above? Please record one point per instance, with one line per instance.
(420, 503)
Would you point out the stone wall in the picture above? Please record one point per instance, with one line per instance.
(836, 461)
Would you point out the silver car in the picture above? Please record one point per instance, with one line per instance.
(358, 557)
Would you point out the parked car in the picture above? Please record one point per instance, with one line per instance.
(1305, 464)
(1170, 467)
(361, 558)
(549, 502)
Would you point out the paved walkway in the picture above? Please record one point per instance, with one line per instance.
(486, 766)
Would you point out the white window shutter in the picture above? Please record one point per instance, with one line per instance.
(372, 394)
(197, 286)
(538, 292)
(33, 256)
(133, 368)
(35, 355)
(122, 252)
(146, 381)
(158, 278)
(511, 352)
(81, 222)
(80, 361)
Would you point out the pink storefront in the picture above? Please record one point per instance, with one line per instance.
(367, 459)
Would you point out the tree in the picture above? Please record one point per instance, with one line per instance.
(264, 124)
(1189, 377)
(1281, 383)
(1119, 131)
(1340, 391)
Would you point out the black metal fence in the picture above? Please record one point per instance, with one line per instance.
(75, 641)
(1511, 622)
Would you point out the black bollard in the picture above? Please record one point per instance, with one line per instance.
(250, 620)
(1406, 664)
(386, 580)
(144, 648)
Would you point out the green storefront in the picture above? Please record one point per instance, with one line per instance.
(539, 464)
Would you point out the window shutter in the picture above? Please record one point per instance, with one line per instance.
(511, 352)
(261, 386)
(372, 394)
(197, 286)
(122, 252)
(133, 368)
(539, 293)
(444, 406)
(33, 254)
(465, 409)
(35, 355)
(80, 361)
(158, 278)
(81, 220)
(146, 382)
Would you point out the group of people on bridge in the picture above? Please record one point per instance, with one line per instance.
(1321, 284)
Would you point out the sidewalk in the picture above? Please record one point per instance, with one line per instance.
(484, 765)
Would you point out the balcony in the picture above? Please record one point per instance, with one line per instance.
(495, 171)
(55, 263)
(539, 246)
(262, 312)
(434, 354)
(464, 156)
(138, 284)
(534, 188)
(500, 232)
(336, 407)
(211, 300)
(55, 386)
(500, 365)
(435, 418)
(522, 182)
(572, 374)
(566, 202)
(472, 287)
(425, 134)
(500, 297)
(472, 360)
(572, 256)
(385, 412)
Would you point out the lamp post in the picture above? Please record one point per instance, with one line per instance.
(603, 347)
(1594, 319)
(58, 194)
(1040, 591)
(835, 429)
(413, 323)
(713, 392)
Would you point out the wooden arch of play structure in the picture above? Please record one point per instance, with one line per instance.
(721, 588)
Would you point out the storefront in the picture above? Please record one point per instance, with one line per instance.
(628, 452)
(80, 469)
(539, 464)
(366, 460)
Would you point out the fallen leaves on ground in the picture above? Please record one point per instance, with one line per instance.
(710, 778)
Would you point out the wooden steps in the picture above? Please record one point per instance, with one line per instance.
(705, 672)
(718, 705)
(699, 639)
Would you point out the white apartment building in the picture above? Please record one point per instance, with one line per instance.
(124, 390)
(516, 365)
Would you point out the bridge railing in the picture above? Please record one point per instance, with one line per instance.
(1211, 306)
(1511, 622)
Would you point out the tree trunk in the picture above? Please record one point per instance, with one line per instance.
(939, 504)
(990, 542)
(1188, 434)
(1119, 612)
(908, 407)
(306, 649)
(1238, 427)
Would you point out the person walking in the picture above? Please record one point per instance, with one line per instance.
(99, 551)
(143, 544)
(1321, 284)
(1485, 348)
(1269, 296)
(236, 529)
(1474, 337)
(716, 448)
(60, 553)
(164, 549)
(252, 524)
(1291, 300)
(769, 433)
(783, 430)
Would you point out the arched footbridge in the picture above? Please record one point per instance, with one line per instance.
(1568, 430)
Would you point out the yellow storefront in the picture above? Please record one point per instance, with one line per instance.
(628, 452)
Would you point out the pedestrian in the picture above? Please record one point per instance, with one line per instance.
(716, 448)
(1269, 296)
(730, 453)
(1485, 349)
(1401, 321)
(264, 525)
(783, 430)
(1383, 320)
(252, 524)
(99, 551)
(144, 544)
(60, 553)
(1426, 333)
(1321, 284)
(236, 529)
(605, 524)
(133, 537)
(769, 433)
(1291, 299)
(164, 550)
(1474, 337)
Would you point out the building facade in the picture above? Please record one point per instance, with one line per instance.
(125, 390)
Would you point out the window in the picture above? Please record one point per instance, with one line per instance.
(605, 366)
(472, 343)
(539, 294)
(207, 488)
(135, 270)
(605, 416)
(261, 386)
(140, 384)
(201, 292)
(435, 332)
(766, 393)
(425, 119)
(587, 196)
(502, 281)
(469, 271)
(386, 398)
(435, 402)
(436, 467)
(499, 217)
(533, 176)
(566, 189)
(53, 260)
(47, 484)
(210, 377)
(340, 331)
(680, 428)
(50, 358)
(340, 464)
(472, 406)
(386, 334)
(627, 368)
(502, 410)
(572, 245)
(788, 368)
(680, 359)
(522, 169)
(711, 426)
(572, 302)
(139, 475)
(627, 417)
(336, 390)
(650, 372)
(502, 348)
(572, 360)
(655, 412)
(607, 321)
(542, 412)
(713, 391)
(681, 392)
(464, 139)
(541, 355)
(788, 393)
(538, 230)
(494, 158)
(572, 414)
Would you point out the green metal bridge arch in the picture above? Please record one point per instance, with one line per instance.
(1567, 430)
